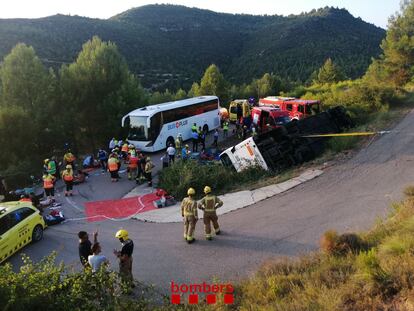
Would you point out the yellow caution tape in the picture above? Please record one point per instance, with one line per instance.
(346, 134)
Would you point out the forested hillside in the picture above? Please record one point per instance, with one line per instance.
(170, 46)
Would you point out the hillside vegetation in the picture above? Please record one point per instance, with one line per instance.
(368, 271)
(170, 46)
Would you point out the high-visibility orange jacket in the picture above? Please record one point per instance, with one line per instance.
(133, 162)
(48, 181)
(113, 164)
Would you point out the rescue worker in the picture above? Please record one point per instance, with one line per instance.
(209, 204)
(49, 186)
(69, 158)
(190, 215)
(113, 167)
(194, 128)
(132, 150)
(225, 128)
(148, 170)
(141, 167)
(132, 166)
(124, 151)
(51, 167)
(67, 176)
(179, 144)
(125, 256)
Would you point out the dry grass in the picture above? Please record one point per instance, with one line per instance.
(369, 271)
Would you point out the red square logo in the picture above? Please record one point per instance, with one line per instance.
(228, 299)
(175, 299)
(211, 299)
(193, 299)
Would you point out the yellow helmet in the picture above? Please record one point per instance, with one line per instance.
(46, 161)
(191, 191)
(207, 189)
(122, 234)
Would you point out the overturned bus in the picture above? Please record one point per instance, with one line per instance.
(287, 145)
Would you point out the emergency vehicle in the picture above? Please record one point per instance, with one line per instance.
(267, 118)
(297, 108)
(239, 108)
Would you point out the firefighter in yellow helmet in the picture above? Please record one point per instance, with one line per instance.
(209, 204)
(190, 215)
(125, 256)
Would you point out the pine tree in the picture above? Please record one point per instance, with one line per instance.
(329, 73)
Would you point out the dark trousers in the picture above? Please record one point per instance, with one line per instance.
(172, 158)
(149, 178)
(195, 145)
(103, 164)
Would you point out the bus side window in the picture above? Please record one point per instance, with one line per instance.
(301, 108)
(289, 107)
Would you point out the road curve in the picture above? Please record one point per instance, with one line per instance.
(347, 197)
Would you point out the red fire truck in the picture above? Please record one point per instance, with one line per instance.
(267, 118)
(297, 108)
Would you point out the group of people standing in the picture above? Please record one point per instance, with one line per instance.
(139, 167)
(91, 258)
(51, 173)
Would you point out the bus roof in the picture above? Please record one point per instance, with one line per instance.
(151, 110)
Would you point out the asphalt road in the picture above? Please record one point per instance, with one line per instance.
(347, 197)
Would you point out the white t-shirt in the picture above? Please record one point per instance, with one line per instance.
(171, 151)
(96, 261)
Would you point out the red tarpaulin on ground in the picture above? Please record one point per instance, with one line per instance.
(122, 208)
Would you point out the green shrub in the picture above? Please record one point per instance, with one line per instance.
(177, 178)
(47, 286)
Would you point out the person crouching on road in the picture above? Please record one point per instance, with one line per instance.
(67, 176)
(148, 170)
(190, 215)
(125, 256)
(113, 167)
(49, 185)
(209, 204)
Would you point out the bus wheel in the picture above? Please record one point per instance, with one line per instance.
(205, 128)
(170, 141)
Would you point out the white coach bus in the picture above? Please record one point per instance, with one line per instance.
(153, 128)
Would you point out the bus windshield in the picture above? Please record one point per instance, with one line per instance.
(138, 129)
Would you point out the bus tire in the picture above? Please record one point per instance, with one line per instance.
(205, 128)
(170, 141)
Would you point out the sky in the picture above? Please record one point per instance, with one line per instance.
(372, 11)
